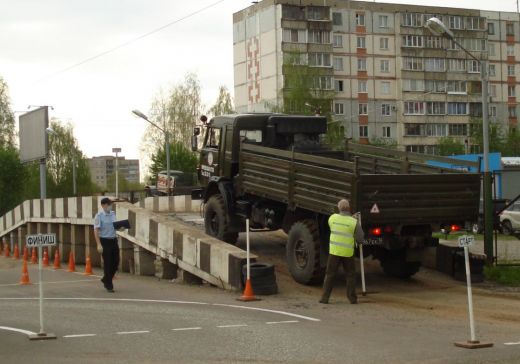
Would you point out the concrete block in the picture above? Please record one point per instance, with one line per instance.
(64, 241)
(188, 278)
(53, 229)
(91, 247)
(164, 269)
(22, 232)
(144, 262)
(78, 243)
(126, 255)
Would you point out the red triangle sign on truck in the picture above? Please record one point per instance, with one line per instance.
(374, 209)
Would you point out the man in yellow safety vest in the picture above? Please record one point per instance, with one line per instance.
(344, 233)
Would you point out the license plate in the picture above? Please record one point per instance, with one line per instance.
(373, 241)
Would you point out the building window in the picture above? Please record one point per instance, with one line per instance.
(383, 43)
(413, 85)
(493, 90)
(511, 70)
(474, 44)
(435, 130)
(339, 108)
(457, 108)
(413, 64)
(510, 29)
(363, 131)
(492, 70)
(338, 64)
(317, 13)
(386, 132)
(362, 64)
(414, 108)
(435, 108)
(295, 58)
(337, 41)
(362, 86)
(322, 83)
(412, 20)
(294, 35)
(360, 19)
(433, 42)
(511, 91)
(510, 50)
(363, 109)
(361, 42)
(511, 110)
(457, 87)
(412, 41)
(413, 129)
(491, 28)
(473, 66)
(338, 85)
(493, 111)
(385, 109)
(492, 49)
(319, 37)
(383, 21)
(385, 88)
(337, 19)
(458, 129)
(293, 12)
(455, 22)
(434, 64)
(385, 66)
(320, 60)
(475, 23)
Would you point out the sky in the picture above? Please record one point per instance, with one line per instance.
(38, 39)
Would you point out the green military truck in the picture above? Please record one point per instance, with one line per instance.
(275, 171)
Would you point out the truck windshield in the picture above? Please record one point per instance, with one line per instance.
(251, 136)
(213, 140)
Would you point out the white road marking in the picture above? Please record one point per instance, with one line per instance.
(80, 335)
(516, 343)
(187, 328)
(307, 318)
(281, 322)
(22, 331)
(132, 332)
(238, 325)
(53, 282)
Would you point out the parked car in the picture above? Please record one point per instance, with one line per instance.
(498, 205)
(510, 219)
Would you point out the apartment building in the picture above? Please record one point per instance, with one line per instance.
(101, 168)
(392, 79)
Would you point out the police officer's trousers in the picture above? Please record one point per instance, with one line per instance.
(110, 260)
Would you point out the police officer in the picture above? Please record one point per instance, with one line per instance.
(106, 240)
(344, 231)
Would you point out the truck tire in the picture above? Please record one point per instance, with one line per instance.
(216, 220)
(303, 252)
(507, 227)
(394, 264)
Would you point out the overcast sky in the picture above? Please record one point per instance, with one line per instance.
(40, 37)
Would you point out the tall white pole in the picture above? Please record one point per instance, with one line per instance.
(470, 296)
(247, 250)
(117, 176)
(42, 331)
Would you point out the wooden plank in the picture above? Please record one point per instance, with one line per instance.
(317, 181)
(321, 171)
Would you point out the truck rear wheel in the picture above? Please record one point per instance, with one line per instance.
(394, 264)
(303, 252)
(216, 220)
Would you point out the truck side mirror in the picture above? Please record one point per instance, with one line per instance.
(194, 143)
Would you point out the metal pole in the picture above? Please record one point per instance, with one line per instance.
(117, 176)
(470, 297)
(42, 331)
(43, 180)
(247, 250)
(488, 202)
(74, 189)
(167, 139)
(362, 263)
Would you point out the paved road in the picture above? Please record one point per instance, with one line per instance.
(148, 320)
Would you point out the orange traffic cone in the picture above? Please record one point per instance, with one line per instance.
(16, 254)
(248, 293)
(25, 274)
(45, 258)
(34, 257)
(7, 252)
(57, 264)
(72, 266)
(25, 253)
(88, 267)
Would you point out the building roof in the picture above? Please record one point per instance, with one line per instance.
(511, 161)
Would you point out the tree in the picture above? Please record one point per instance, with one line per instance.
(511, 146)
(7, 130)
(384, 142)
(12, 179)
(224, 103)
(496, 136)
(181, 159)
(450, 146)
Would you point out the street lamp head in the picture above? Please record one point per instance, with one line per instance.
(437, 27)
(140, 114)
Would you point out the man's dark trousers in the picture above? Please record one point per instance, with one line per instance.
(349, 267)
(110, 260)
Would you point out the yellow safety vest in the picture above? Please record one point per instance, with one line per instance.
(342, 229)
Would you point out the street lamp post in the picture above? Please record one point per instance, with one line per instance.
(166, 141)
(437, 27)
(117, 151)
(74, 189)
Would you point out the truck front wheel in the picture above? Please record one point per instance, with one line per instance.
(303, 252)
(216, 220)
(394, 264)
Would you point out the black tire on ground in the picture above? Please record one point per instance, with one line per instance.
(394, 264)
(216, 220)
(265, 290)
(259, 270)
(303, 252)
(507, 227)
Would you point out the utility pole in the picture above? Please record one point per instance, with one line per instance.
(117, 151)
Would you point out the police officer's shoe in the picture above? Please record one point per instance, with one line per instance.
(111, 290)
(324, 301)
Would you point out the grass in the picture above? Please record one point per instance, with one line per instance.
(455, 236)
(504, 275)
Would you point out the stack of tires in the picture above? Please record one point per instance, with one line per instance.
(263, 278)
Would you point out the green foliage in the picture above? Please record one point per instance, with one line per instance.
(506, 142)
(124, 184)
(384, 142)
(181, 159)
(503, 275)
(12, 179)
(224, 103)
(7, 130)
(511, 146)
(450, 146)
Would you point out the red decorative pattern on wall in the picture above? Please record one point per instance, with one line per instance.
(253, 70)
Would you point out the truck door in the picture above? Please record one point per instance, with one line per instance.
(210, 154)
